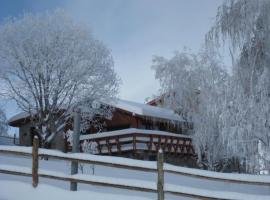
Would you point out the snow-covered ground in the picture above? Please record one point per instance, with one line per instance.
(47, 192)
(64, 167)
(173, 182)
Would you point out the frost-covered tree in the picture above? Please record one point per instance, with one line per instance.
(208, 138)
(230, 112)
(243, 25)
(50, 66)
(176, 77)
(195, 87)
(3, 123)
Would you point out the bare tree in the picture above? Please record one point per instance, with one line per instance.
(50, 65)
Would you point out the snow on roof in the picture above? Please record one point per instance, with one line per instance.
(144, 109)
(133, 107)
(131, 130)
(21, 115)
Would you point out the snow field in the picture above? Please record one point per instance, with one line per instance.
(173, 182)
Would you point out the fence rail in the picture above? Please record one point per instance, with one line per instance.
(159, 167)
(9, 140)
(91, 159)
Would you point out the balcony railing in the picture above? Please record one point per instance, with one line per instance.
(138, 139)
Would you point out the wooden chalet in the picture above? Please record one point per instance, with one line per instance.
(135, 130)
(138, 130)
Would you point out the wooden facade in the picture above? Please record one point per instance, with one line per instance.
(129, 134)
(123, 119)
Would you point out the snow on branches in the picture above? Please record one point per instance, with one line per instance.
(245, 25)
(194, 86)
(230, 111)
(50, 65)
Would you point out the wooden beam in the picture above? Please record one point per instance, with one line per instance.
(160, 179)
(134, 143)
(108, 145)
(35, 162)
(150, 143)
(118, 145)
(98, 146)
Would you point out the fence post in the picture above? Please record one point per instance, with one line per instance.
(160, 183)
(75, 147)
(35, 162)
(14, 139)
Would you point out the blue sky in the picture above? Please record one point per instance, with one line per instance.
(134, 30)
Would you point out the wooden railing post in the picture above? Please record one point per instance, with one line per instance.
(160, 181)
(14, 139)
(75, 147)
(35, 162)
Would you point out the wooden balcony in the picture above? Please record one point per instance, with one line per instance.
(139, 140)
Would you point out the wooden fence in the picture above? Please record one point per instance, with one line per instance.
(9, 140)
(159, 188)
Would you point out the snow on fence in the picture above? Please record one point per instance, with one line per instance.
(137, 185)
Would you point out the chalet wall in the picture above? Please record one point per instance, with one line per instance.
(24, 135)
(25, 138)
(121, 120)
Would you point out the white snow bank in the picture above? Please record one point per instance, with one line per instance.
(83, 177)
(102, 180)
(103, 159)
(25, 191)
(217, 175)
(181, 190)
(129, 131)
(19, 169)
(27, 150)
(213, 194)
(85, 156)
(144, 109)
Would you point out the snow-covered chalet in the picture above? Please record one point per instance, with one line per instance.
(135, 130)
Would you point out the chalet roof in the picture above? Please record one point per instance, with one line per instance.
(18, 117)
(145, 110)
(135, 108)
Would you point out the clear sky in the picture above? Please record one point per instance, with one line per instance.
(134, 30)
